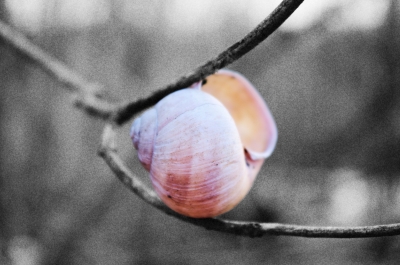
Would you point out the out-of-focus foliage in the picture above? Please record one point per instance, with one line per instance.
(333, 91)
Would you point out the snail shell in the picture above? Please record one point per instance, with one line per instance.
(204, 146)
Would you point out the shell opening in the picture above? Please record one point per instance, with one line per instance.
(252, 116)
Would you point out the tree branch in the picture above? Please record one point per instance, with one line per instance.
(88, 97)
(87, 94)
(249, 229)
(89, 100)
(237, 50)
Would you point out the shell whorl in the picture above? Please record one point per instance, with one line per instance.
(197, 164)
(205, 145)
(143, 132)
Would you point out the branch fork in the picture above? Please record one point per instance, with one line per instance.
(88, 98)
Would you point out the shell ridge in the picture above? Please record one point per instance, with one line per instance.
(154, 140)
(221, 190)
(209, 142)
(190, 110)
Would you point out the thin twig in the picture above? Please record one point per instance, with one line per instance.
(237, 50)
(87, 94)
(89, 101)
(249, 229)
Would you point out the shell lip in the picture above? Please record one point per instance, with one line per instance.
(270, 130)
(254, 155)
(261, 155)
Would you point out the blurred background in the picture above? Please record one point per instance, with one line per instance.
(330, 75)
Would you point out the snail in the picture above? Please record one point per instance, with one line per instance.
(204, 145)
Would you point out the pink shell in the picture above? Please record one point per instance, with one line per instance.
(200, 163)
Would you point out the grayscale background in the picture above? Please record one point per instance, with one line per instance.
(330, 75)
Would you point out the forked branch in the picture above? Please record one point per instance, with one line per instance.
(87, 94)
(89, 99)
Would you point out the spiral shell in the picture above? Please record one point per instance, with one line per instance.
(201, 148)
